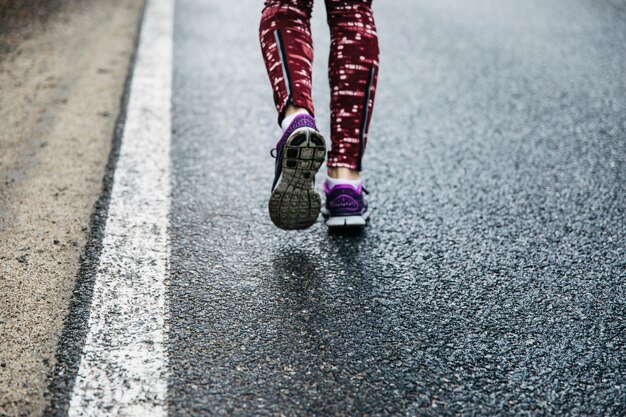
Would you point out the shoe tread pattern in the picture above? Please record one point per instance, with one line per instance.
(294, 203)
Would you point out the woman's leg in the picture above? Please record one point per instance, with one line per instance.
(287, 47)
(353, 73)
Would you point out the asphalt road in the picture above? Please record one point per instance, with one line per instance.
(491, 278)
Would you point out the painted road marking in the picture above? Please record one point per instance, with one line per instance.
(123, 370)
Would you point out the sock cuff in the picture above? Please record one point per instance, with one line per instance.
(332, 182)
(289, 119)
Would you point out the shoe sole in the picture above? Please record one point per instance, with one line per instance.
(294, 204)
(347, 221)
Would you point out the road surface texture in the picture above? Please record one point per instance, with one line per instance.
(490, 280)
(61, 85)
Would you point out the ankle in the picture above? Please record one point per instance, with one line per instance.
(291, 113)
(342, 173)
(291, 110)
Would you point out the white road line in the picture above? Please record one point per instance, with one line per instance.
(123, 371)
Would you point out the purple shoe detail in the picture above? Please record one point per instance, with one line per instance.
(294, 203)
(344, 200)
(303, 120)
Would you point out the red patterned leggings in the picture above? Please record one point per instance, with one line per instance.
(287, 47)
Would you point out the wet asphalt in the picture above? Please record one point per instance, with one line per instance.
(491, 279)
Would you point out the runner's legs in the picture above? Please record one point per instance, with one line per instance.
(353, 74)
(287, 46)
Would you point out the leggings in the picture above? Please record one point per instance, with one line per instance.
(285, 35)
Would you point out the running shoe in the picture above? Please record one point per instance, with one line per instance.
(300, 152)
(345, 206)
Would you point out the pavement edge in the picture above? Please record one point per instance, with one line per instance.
(75, 328)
